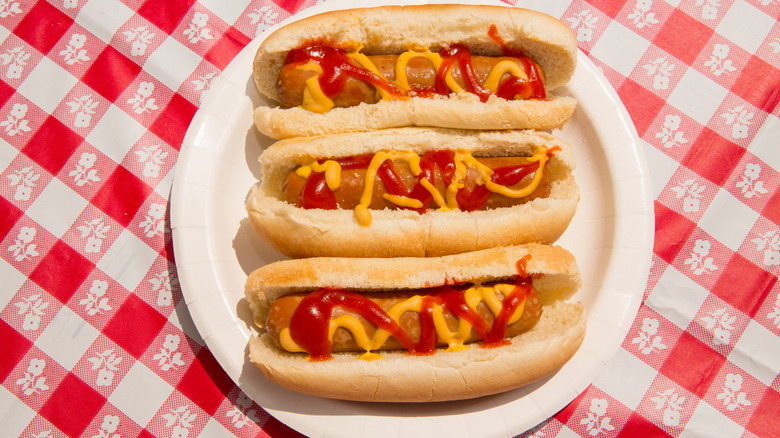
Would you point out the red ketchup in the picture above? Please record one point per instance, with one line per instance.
(336, 69)
(513, 87)
(461, 55)
(309, 325)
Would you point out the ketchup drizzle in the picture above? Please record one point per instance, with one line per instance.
(462, 55)
(309, 325)
(336, 69)
(310, 321)
(513, 87)
(317, 194)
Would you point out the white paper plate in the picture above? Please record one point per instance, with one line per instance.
(215, 248)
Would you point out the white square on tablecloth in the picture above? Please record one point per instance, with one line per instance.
(140, 394)
(227, 11)
(745, 25)
(620, 48)
(57, 207)
(707, 421)
(728, 220)
(674, 3)
(11, 280)
(758, 352)
(764, 144)
(626, 378)
(697, 96)
(41, 88)
(216, 430)
(677, 297)
(67, 338)
(104, 18)
(172, 63)
(127, 260)
(115, 133)
(7, 154)
(662, 168)
(14, 414)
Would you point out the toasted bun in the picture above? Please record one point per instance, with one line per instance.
(393, 29)
(299, 232)
(442, 376)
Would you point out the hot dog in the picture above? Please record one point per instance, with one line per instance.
(413, 192)
(455, 66)
(416, 329)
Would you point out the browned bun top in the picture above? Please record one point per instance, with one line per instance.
(394, 29)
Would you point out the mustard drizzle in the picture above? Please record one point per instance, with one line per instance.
(455, 340)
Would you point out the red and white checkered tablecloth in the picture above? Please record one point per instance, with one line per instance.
(95, 100)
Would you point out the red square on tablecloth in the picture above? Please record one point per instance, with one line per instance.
(14, 346)
(173, 122)
(692, 364)
(205, 382)
(643, 105)
(72, 406)
(671, 232)
(111, 73)
(683, 37)
(52, 145)
(43, 26)
(765, 421)
(221, 53)
(165, 14)
(121, 195)
(713, 157)
(757, 84)
(134, 326)
(744, 285)
(61, 271)
(9, 214)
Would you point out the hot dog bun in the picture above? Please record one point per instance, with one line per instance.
(399, 377)
(299, 232)
(394, 29)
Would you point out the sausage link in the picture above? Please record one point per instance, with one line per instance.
(420, 73)
(352, 183)
(282, 309)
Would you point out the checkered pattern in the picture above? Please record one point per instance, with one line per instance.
(92, 118)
